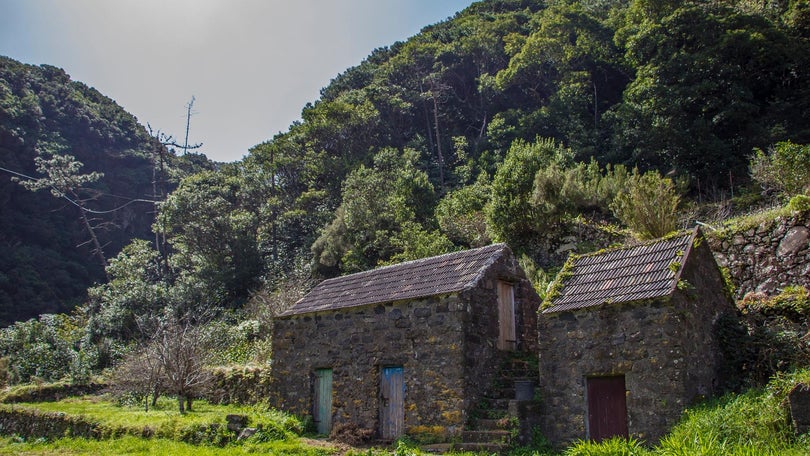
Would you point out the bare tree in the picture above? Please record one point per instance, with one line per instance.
(172, 361)
(181, 351)
(141, 375)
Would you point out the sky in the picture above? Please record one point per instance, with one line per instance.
(251, 65)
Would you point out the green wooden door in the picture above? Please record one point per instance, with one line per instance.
(322, 403)
(392, 403)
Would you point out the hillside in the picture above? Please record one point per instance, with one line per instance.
(46, 263)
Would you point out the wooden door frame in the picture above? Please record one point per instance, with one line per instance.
(507, 330)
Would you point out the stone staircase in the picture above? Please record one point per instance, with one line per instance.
(495, 424)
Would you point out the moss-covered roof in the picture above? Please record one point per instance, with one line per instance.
(646, 271)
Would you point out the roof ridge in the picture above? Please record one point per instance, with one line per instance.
(416, 261)
(669, 237)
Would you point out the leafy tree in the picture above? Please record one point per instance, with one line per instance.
(378, 204)
(138, 289)
(461, 214)
(711, 83)
(213, 226)
(511, 215)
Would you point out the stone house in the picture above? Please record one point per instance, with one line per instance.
(408, 348)
(627, 340)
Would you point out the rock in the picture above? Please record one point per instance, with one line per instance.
(246, 434)
(799, 399)
(794, 241)
(768, 286)
(566, 248)
(236, 422)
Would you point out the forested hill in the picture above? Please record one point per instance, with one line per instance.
(400, 155)
(512, 121)
(47, 258)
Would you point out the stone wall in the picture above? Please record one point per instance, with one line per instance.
(423, 336)
(770, 256)
(665, 349)
(445, 344)
(50, 425)
(239, 385)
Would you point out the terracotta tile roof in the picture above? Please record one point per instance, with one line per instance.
(437, 275)
(624, 274)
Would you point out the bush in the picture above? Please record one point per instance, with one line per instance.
(799, 203)
(785, 168)
(649, 205)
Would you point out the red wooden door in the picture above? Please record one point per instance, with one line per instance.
(607, 408)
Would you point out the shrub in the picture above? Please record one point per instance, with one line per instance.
(799, 203)
(784, 168)
(649, 205)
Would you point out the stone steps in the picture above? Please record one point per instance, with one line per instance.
(489, 425)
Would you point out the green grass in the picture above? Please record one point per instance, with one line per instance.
(753, 423)
(130, 445)
(279, 432)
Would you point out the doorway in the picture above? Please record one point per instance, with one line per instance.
(322, 403)
(607, 407)
(392, 402)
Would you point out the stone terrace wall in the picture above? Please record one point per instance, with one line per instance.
(768, 257)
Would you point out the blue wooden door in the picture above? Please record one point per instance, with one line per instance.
(322, 403)
(392, 403)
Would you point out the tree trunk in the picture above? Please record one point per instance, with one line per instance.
(181, 402)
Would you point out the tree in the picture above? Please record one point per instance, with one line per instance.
(173, 360)
(512, 216)
(378, 204)
(461, 214)
(64, 181)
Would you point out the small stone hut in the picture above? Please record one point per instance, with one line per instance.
(628, 341)
(402, 349)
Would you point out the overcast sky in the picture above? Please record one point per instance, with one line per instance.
(251, 64)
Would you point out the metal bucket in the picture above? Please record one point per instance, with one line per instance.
(524, 390)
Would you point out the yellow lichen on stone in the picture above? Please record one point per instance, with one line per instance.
(453, 417)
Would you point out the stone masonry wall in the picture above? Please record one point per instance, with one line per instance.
(481, 335)
(446, 345)
(665, 348)
(423, 336)
(641, 341)
(767, 257)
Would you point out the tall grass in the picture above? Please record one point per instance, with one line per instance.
(755, 423)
